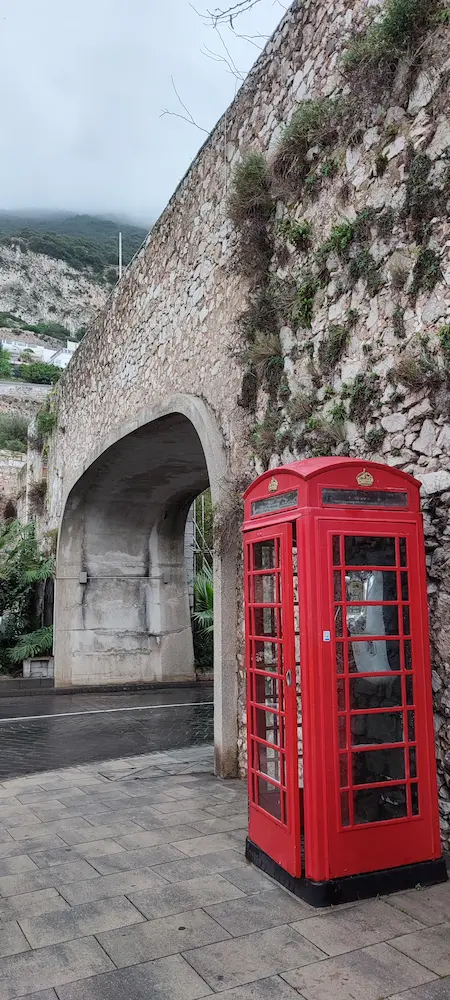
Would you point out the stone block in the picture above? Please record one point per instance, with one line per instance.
(429, 906)
(12, 941)
(430, 947)
(51, 967)
(255, 956)
(370, 973)
(31, 904)
(80, 921)
(207, 864)
(367, 923)
(166, 977)
(110, 885)
(193, 893)
(164, 936)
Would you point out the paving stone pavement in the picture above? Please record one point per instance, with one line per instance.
(126, 880)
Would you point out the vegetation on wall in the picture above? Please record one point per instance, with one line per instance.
(267, 207)
(398, 31)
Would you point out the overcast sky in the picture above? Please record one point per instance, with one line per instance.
(83, 84)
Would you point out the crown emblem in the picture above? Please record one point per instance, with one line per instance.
(273, 485)
(364, 478)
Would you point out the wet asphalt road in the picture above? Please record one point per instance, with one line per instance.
(52, 731)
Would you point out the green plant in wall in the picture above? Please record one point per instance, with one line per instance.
(375, 438)
(302, 311)
(264, 354)
(301, 406)
(416, 369)
(314, 123)
(444, 339)
(361, 394)
(397, 31)
(250, 207)
(427, 272)
(296, 232)
(332, 346)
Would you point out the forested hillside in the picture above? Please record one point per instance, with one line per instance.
(82, 241)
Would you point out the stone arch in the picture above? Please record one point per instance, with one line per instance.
(121, 602)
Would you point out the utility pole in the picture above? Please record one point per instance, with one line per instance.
(120, 256)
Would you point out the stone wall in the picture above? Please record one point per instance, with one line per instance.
(346, 340)
(22, 398)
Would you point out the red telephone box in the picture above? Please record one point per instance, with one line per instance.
(341, 756)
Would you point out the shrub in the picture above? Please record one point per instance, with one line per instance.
(298, 233)
(399, 30)
(301, 406)
(375, 438)
(314, 123)
(362, 394)
(46, 421)
(250, 191)
(304, 303)
(266, 357)
(5, 363)
(332, 346)
(13, 432)
(415, 372)
(444, 338)
(39, 372)
(427, 272)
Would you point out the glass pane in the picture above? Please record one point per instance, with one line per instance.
(364, 498)
(381, 727)
(412, 763)
(264, 589)
(341, 695)
(269, 797)
(264, 554)
(365, 551)
(372, 766)
(267, 692)
(269, 761)
(415, 800)
(405, 587)
(340, 657)
(406, 621)
(342, 729)
(375, 692)
(265, 621)
(408, 657)
(337, 586)
(372, 619)
(343, 770)
(371, 585)
(268, 726)
(373, 805)
(270, 504)
(266, 655)
(336, 550)
(403, 553)
(338, 620)
(409, 691)
(411, 727)
(345, 812)
(375, 656)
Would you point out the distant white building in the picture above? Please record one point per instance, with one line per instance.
(60, 357)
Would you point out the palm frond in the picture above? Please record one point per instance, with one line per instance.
(203, 614)
(38, 643)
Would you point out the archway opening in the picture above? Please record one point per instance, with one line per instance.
(122, 609)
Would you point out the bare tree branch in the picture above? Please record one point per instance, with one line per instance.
(187, 117)
(228, 14)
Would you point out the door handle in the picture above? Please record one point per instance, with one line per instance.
(288, 678)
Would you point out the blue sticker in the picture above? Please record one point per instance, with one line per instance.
(327, 636)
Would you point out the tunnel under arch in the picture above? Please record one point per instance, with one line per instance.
(121, 599)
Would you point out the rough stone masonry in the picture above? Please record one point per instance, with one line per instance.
(363, 369)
